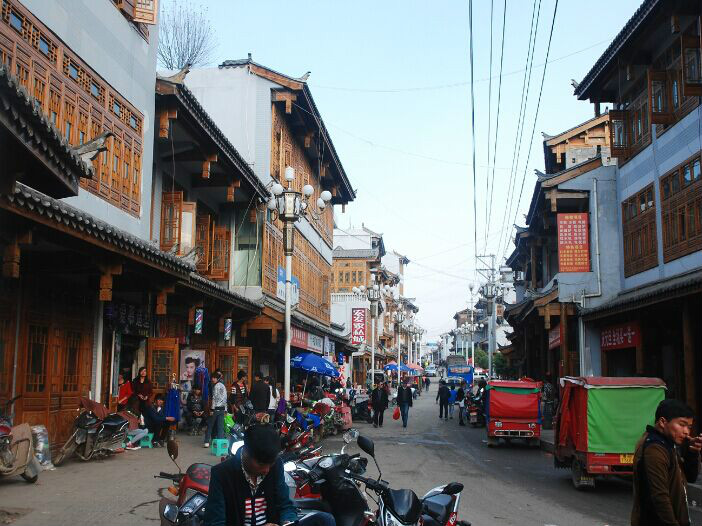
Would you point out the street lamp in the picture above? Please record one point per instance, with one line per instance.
(290, 206)
(373, 294)
(399, 319)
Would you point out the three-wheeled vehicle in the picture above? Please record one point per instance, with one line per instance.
(598, 423)
(513, 410)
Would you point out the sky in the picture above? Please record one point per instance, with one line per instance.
(391, 79)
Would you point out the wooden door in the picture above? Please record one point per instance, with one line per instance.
(162, 362)
(231, 360)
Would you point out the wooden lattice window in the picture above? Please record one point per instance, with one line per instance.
(69, 122)
(116, 166)
(660, 103)
(221, 240)
(203, 238)
(37, 351)
(145, 11)
(127, 170)
(54, 107)
(136, 175)
(82, 127)
(171, 210)
(681, 214)
(22, 72)
(639, 232)
(160, 368)
(40, 91)
(691, 66)
(70, 361)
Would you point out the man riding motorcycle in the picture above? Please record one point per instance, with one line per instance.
(249, 489)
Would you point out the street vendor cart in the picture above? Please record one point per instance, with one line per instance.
(513, 410)
(598, 423)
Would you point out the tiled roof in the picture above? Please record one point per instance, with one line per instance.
(22, 113)
(57, 212)
(211, 288)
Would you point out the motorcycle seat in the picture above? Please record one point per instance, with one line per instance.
(114, 420)
(439, 506)
(312, 504)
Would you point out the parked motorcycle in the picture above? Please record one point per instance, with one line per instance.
(17, 448)
(476, 411)
(94, 437)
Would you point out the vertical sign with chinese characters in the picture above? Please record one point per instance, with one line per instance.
(573, 242)
(358, 326)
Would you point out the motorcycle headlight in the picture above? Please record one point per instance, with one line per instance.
(391, 520)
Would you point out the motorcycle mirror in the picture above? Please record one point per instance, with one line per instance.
(452, 488)
(350, 435)
(366, 445)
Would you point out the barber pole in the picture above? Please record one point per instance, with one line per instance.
(199, 314)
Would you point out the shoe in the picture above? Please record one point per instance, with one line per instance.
(156, 444)
(375, 425)
(206, 445)
(131, 447)
(461, 424)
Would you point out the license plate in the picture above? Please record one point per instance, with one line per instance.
(626, 459)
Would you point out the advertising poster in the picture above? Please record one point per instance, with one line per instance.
(573, 243)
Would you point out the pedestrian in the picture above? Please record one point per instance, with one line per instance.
(124, 394)
(404, 400)
(275, 396)
(156, 420)
(666, 457)
(452, 400)
(249, 488)
(379, 401)
(260, 395)
(195, 411)
(427, 382)
(239, 394)
(142, 388)
(218, 406)
(442, 396)
(461, 401)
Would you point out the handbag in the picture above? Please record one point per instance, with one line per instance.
(396, 414)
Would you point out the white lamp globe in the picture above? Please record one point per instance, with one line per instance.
(362, 288)
(289, 173)
(271, 205)
(307, 190)
(326, 196)
(376, 287)
(321, 204)
(277, 189)
(303, 205)
(355, 290)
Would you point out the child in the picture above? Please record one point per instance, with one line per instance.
(452, 399)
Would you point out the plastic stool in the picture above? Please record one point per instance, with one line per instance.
(219, 447)
(147, 441)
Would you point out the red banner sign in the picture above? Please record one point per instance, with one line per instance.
(358, 326)
(554, 337)
(573, 243)
(299, 338)
(620, 336)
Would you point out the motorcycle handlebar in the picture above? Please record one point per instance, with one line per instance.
(168, 476)
(370, 483)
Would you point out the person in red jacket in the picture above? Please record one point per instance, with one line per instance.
(124, 394)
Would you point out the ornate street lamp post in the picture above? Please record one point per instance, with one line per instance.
(399, 319)
(290, 206)
(373, 294)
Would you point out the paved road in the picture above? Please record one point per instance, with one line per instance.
(504, 486)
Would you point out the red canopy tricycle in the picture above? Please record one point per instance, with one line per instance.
(599, 421)
(513, 410)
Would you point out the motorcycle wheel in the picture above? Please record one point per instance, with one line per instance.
(31, 471)
(66, 451)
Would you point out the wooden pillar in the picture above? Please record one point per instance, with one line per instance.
(565, 353)
(532, 250)
(689, 358)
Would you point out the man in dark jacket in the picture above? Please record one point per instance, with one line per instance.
(260, 394)
(249, 489)
(195, 411)
(461, 401)
(379, 400)
(404, 400)
(156, 420)
(442, 396)
(666, 457)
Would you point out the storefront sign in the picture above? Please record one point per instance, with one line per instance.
(315, 343)
(299, 338)
(329, 346)
(573, 243)
(620, 336)
(554, 337)
(306, 340)
(294, 285)
(358, 326)
(127, 318)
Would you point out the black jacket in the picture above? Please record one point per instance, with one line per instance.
(260, 396)
(460, 394)
(443, 394)
(379, 399)
(404, 395)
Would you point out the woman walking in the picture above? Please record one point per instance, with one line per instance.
(143, 389)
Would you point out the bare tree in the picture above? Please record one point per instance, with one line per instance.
(186, 37)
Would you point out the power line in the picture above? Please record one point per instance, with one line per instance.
(456, 84)
(497, 124)
(536, 115)
(526, 83)
(487, 172)
(472, 129)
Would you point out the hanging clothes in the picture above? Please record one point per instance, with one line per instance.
(201, 379)
(172, 406)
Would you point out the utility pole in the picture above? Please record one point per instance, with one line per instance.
(490, 291)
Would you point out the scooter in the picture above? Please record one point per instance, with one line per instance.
(17, 448)
(93, 437)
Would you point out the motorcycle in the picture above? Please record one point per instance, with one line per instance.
(94, 437)
(17, 448)
(475, 410)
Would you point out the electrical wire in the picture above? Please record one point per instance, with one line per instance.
(472, 128)
(536, 116)
(526, 83)
(497, 125)
(487, 174)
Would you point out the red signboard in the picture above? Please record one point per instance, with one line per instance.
(358, 326)
(620, 336)
(554, 337)
(573, 243)
(299, 338)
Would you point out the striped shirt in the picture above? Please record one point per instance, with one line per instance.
(255, 512)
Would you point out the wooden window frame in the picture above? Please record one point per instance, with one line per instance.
(690, 44)
(660, 103)
(221, 252)
(179, 207)
(640, 245)
(681, 211)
